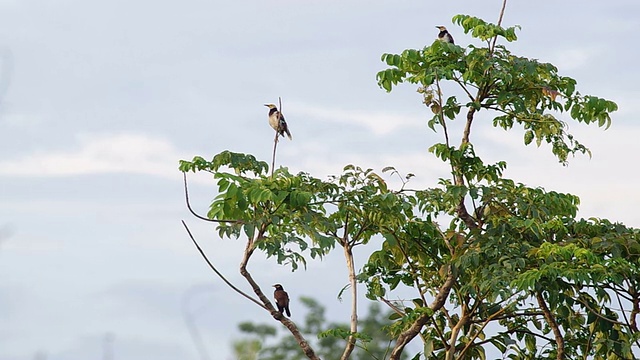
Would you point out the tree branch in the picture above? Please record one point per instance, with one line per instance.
(495, 39)
(206, 259)
(492, 317)
(351, 342)
(408, 335)
(186, 195)
(442, 120)
(551, 321)
(635, 310)
(248, 251)
(451, 350)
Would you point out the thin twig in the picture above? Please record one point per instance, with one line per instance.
(495, 39)
(275, 140)
(186, 195)
(393, 307)
(442, 121)
(626, 319)
(204, 256)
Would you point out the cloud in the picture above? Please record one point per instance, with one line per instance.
(575, 58)
(100, 154)
(378, 122)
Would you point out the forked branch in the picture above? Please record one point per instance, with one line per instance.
(248, 251)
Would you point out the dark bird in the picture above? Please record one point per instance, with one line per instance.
(444, 35)
(282, 299)
(276, 120)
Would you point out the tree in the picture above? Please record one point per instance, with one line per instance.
(266, 343)
(512, 269)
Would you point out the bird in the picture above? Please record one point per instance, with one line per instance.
(276, 120)
(444, 35)
(282, 299)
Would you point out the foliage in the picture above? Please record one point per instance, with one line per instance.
(495, 265)
(519, 90)
(374, 341)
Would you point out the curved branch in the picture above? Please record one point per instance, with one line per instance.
(186, 195)
(597, 313)
(204, 256)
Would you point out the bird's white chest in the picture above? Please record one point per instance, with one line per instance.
(273, 121)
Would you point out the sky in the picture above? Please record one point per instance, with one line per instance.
(100, 99)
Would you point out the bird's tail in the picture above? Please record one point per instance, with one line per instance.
(287, 308)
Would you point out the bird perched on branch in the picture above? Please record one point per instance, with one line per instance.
(444, 35)
(282, 299)
(276, 120)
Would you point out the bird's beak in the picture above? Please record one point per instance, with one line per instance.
(437, 27)
(266, 105)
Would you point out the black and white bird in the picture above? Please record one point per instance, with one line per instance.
(276, 120)
(444, 35)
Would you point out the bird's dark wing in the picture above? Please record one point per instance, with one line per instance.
(282, 301)
(286, 307)
(286, 129)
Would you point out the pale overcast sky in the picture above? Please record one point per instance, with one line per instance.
(100, 99)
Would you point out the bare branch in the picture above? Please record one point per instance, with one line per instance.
(495, 39)
(393, 307)
(464, 87)
(186, 195)
(551, 321)
(348, 254)
(275, 140)
(204, 256)
(248, 251)
(273, 158)
(442, 120)
(597, 313)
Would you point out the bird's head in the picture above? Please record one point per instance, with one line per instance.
(270, 106)
(441, 28)
(278, 286)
